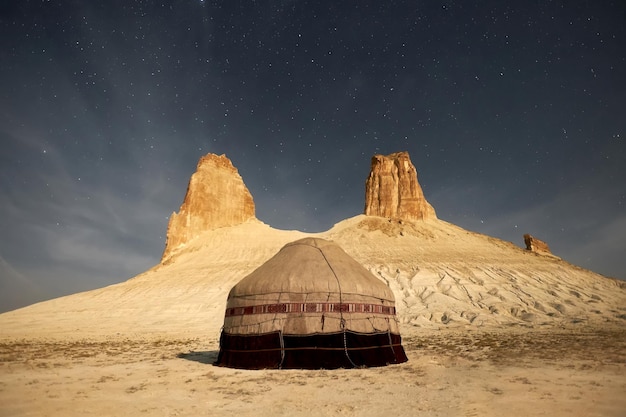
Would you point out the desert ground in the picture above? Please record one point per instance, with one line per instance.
(580, 371)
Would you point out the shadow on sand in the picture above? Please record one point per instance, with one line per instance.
(207, 357)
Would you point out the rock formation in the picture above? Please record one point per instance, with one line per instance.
(441, 275)
(392, 190)
(535, 245)
(216, 197)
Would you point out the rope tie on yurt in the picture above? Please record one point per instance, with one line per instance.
(282, 349)
(390, 342)
(343, 320)
(345, 342)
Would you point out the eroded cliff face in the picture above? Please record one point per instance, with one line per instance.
(216, 197)
(392, 189)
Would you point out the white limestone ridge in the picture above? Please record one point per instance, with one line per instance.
(441, 275)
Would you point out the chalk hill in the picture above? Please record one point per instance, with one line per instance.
(441, 274)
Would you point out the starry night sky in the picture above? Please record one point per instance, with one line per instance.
(514, 114)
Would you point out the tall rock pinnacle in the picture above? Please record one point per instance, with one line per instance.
(216, 197)
(392, 190)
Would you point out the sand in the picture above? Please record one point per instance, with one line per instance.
(518, 372)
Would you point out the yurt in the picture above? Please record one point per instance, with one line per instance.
(310, 306)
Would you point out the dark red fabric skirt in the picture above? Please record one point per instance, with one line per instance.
(317, 351)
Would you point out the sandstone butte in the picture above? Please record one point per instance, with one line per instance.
(392, 189)
(216, 197)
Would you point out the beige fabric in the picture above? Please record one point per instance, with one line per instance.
(310, 271)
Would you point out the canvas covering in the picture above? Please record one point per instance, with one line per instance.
(311, 286)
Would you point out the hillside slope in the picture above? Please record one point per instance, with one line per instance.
(441, 275)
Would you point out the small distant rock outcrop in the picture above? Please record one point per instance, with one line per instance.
(392, 189)
(535, 245)
(216, 197)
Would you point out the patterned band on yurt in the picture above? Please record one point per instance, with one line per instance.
(311, 306)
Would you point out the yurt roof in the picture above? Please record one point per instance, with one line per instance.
(312, 265)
